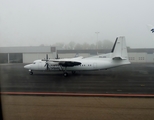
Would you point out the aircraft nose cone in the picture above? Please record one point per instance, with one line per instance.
(27, 66)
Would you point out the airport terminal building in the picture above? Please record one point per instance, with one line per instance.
(29, 54)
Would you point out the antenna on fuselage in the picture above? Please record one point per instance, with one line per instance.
(57, 56)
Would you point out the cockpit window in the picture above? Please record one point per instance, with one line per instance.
(34, 62)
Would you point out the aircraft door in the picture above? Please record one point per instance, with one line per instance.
(95, 65)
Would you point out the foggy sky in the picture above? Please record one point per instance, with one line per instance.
(36, 22)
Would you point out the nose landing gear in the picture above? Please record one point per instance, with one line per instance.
(30, 72)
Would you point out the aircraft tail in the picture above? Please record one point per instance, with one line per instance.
(119, 50)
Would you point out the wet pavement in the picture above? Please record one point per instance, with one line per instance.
(129, 79)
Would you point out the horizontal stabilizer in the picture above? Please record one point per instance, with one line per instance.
(118, 58)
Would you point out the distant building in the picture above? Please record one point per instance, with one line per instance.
(29, 54)
(25, 54)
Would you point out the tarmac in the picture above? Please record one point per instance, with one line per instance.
(129, 79)
(122, 93)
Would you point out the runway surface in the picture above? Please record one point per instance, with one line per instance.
(129, 79)
(134, 80)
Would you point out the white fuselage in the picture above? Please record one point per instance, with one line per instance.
(86, 65)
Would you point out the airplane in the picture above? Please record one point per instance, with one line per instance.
(151, 28)
(117, 57)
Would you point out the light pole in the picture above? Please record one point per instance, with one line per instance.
(97, 40)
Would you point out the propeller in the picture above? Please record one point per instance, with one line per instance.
(57, 57)
(46, 56)
(46, 64)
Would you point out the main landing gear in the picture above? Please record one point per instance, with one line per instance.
(65, 74)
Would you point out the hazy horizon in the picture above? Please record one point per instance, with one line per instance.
(36, 22)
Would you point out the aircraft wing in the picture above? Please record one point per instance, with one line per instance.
(67, 63)
(70, 62)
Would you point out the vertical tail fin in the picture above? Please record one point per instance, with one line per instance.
(119, 49)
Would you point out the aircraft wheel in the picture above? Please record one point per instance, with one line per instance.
(65, 74)
(31, 73)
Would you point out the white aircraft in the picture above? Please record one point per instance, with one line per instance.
(117, 57)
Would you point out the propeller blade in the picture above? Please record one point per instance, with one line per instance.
(46, 56)
(57, 56)
(46, 64)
